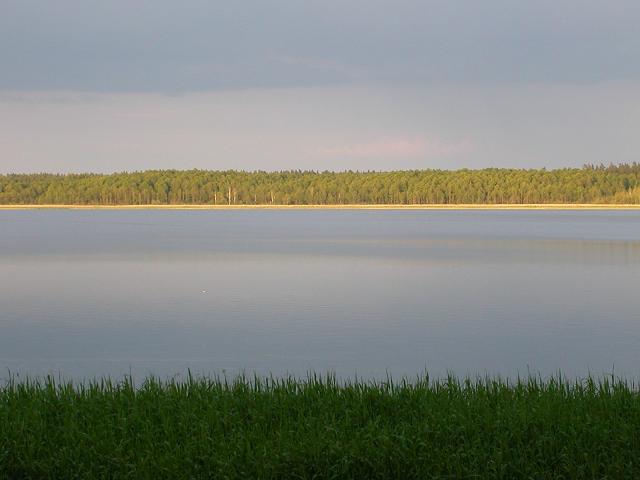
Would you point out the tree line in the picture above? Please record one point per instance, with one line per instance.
(589, 184)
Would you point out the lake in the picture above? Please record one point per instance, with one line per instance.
(354, 292)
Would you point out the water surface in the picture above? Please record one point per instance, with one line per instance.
(92, 293)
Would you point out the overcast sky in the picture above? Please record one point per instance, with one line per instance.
(372, 84)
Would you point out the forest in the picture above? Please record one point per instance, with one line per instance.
(612, 184)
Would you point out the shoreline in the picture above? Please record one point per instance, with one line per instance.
(532, 206)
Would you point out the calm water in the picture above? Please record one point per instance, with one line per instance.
(90, 293)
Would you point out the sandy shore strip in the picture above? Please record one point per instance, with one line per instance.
(532, 206)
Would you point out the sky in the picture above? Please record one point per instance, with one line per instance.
(120, 85)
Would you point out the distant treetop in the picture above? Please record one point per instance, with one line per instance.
(589, 184)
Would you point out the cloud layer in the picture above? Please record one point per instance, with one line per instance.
(170, 46)
(399, 147)
(321, 128)
(92, 85)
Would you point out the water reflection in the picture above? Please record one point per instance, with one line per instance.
(94, 293)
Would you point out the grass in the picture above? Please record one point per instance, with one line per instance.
(320, 428)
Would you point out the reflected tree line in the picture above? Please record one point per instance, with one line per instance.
(590, 184)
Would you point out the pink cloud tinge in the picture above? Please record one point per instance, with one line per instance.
(396, 147)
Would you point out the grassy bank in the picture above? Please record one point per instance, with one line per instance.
(318, 428)
(531, 206)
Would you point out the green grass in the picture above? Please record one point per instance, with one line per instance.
(320, 428)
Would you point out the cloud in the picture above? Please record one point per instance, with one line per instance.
(333, 128)
(396, 147)
(321, 64)
(199, 45)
